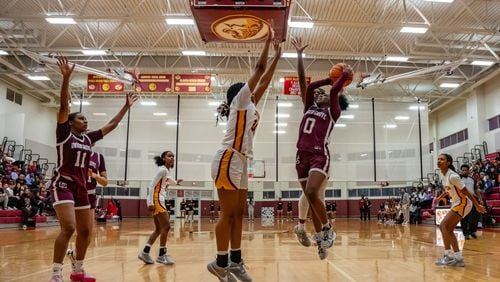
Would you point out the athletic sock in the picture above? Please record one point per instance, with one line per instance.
(236, 256)
(163, 251)
(222, 259)
(147, 248)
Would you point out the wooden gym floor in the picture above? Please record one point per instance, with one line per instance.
(364, 251)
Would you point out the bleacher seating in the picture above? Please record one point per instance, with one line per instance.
(13, 218)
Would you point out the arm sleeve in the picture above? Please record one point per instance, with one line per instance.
(243, 98)
(63, 130)
(162, 172)
(95, 136)
(170, 180)
(457, 182)
(102, 164)
(309, 100)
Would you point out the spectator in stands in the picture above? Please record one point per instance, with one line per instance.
(28, 208)
(488, 184)
(111, 209)
(382, 212)
(13, 174)
(414, 212)
(119, 209)
(4, 199)
(469, 222)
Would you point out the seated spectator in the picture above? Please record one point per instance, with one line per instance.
(28, 208)
(488, 184)
(111, 209)
(382, 212)
(14, 199)
(414, 212)
(4, 199)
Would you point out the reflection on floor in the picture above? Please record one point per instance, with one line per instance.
(364, 251)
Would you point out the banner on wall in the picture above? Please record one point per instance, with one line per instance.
(192, 83)
(97, 83)
(291, 85)
(159, 83)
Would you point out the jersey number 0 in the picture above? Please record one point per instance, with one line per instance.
(309, 125)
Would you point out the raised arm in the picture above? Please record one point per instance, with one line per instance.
(268, 74)
(66, 70)
(297, 43)
(113, 123)
(334, 93)
(260, 67)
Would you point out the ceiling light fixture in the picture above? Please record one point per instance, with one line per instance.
(413, 29)
(449, 85)
(84, 103)
(291, 55)
(396, 59)
(90, 52)
(283, 115)
(347, 116)
(193, 53)
(60, 20)
(148, 103)
(300, 24)
(482, 63)
(38, 77)
(160, 114)
(402, 118)
(179, 21)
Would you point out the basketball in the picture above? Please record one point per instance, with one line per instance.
(337, 70)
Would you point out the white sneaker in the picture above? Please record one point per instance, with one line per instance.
(165, 259)
(446, 260)
(56, 278)
(238, 270)
(220, 272)
(302, 236)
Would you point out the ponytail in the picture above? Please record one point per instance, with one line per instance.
(159, 159)
(222, 112)
(452, 167)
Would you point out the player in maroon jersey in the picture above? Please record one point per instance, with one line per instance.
(96, 174)
(321, 111)
(69, 192)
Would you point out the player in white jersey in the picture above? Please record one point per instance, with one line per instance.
(229, 167)
(461, 204)
(156, 204)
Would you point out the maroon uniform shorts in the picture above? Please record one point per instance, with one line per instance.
(306, 162)
(65, 191)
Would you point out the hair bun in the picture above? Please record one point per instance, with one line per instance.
(222, 111)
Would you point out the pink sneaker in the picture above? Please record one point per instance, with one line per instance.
(81, 277)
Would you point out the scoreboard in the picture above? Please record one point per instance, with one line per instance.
(246, 3)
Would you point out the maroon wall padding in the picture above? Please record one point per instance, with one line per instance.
(345, 208)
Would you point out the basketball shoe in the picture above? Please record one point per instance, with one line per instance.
(238, 270)
(302, 236)
(165, 259)
(145, 257)
(81, 277)
(220, 272)
(446, 260)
